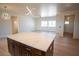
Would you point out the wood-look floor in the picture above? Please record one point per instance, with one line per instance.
(66, 46)
(63, 46)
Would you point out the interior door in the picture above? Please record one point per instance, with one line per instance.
(14, 24)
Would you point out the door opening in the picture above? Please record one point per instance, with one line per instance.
(69, 25)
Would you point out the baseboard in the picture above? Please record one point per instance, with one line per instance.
(68, 33)
(76, 38)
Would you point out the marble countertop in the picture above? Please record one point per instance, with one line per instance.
(38, 40)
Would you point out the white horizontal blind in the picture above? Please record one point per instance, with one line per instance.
(43, 23)
(47, 23)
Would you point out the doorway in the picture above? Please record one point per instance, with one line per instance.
(69, 25)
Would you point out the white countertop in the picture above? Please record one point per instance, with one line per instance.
(38, 40)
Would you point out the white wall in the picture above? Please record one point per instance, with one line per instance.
(60, 24)
(5, 28)
(76, 26)
(26, 24)
(6, 25)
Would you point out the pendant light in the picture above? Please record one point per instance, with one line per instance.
(5, 15)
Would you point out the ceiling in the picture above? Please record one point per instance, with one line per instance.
(68, 7)
(20, 8)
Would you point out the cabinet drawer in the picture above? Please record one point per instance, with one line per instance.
(31, 51)
(26, 51)
(36, 52)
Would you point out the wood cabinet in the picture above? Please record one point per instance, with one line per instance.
(19, 49)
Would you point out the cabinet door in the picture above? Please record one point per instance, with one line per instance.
(17, 50)
(10, 46)
(26, 51)
(35, 52)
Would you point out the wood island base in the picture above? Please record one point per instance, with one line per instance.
(16, 48)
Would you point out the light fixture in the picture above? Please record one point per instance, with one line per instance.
(5, 15)
(29, 12)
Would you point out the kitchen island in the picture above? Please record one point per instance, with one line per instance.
(31, 44)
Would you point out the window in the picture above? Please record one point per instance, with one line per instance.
(48, 23)
(66, 22)
(43, 23)
(52, 23)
